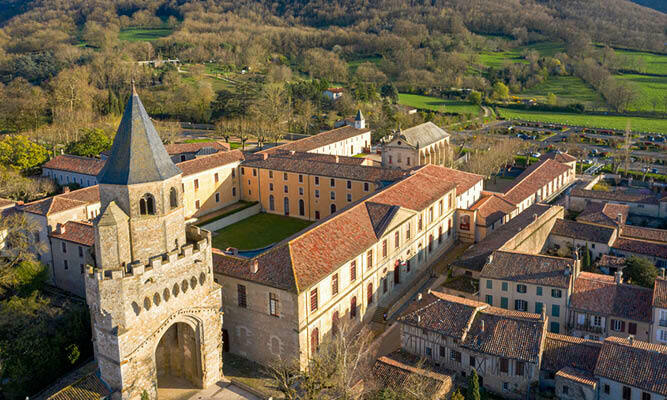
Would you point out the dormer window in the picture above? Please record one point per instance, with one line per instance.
(147, 205)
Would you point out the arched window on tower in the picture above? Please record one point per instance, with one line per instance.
(173, 198)
(147, 205)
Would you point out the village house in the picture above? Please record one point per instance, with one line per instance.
(572, 234)
(422, 144)
(399, 369)
(347, 265)
(563, 158)
(639, 203)
(333, 93)
(71, 250)
(603, 306)
(659, 314)
(530, 283)
(504, 347)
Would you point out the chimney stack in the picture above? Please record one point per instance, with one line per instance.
(619, 218)
(337, 159)
(419, 296)
(265, 156)
(618, 277)
(254, 266)
(631, 339)
(60, 229)
(419, 318)
(292, 152)
(65, 189)
(481, 327)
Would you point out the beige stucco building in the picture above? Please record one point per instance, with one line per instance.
(422, 144)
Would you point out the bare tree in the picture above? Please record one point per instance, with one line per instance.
(169, 131)
(19, 235)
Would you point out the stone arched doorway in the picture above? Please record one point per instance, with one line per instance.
(178, 360)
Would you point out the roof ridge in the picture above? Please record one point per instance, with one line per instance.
(533, 255)
(536, 166)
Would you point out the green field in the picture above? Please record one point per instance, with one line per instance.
(355, 63)
(568, 89)
(594, 121)
(496, 59)
(650, 89)
(437, 104)
(258, 231)
(654, 63)
(143, 34)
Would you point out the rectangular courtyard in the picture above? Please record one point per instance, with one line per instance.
(258, 231)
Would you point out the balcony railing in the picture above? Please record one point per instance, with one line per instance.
(588, 327)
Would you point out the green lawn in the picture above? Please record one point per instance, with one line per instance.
(654, 63)
(437, 104)
(143, 34)
(650, 89)
(568, 89)
(496, 59)
(594, 121)
(258, 231)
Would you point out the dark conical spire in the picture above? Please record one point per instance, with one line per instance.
(137, 155)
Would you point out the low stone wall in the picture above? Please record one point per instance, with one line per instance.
(233, 218)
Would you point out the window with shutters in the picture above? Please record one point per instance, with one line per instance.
(627, 393)
(519, 368)
(334, 284)
(216, 177)
(366, 187)
(273, 304)
(300, 178)
(196, 184)
(504, 365)
(646, 396)
(455, 356)
(317, 180)
(315, 340)
(632, 328)
(617, 325)
(520, 305)
(353, 307)
(353, 271)
(396, 240)
(384, 248)
(407, 233)
(241, 296)
(520, 288)
(313, 300)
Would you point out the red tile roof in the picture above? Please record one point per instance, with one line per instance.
(637, 232)
(582, 231)
(660, 293)
(395, 369)
(76, 164)
(604, 214)
(641, 247)
(600, 294)
(442, 313)
(534, 269)
(577, 376)
(558, 156)
(179, 148)
(635, 363)
(464, 180)
(562, 351)
(608, 261)
(505, 333)
(76, 232)
(204, 163)
(534, 178)
(616, 195)
(492, 208)
(319, 140)
(90, 387)
(64, 202)
(307, 257)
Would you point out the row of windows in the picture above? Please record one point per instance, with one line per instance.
(217, 198)
(521, 288)
(332, 181)
(64, 248)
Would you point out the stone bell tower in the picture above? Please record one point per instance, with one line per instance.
(155, 309)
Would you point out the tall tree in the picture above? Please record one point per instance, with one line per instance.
(641, 271)
(472, 393)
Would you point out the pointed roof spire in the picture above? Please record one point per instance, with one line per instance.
(359, 116)
(137, 155)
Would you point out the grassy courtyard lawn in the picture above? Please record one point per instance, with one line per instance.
(258, 231)
(568, 89)
(655, 125)
(650, 89)
(437, 104)
(143, 34)
(239, 369)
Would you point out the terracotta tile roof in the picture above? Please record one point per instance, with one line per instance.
(637, 364)
(476, 255)
(77, 232)
(604, 214)
(492, 208)
(319, 140)
(179, 148)
(63, 202)
(641, 247)
(637, 232)
(308, 256)
(300, 155)
(380, 216)
(582, 231)
(76, 164)
(608, 261)
(204, 163)
(533, 178)
(534, 269)
(90, 387)
(660, 293)
(600, 294)
(6, 203)
(423, 134)
(577, 376)
(562, 351)
(615, 195)
(329, 169)
(464, 180)
(558, 156)
(394, 369)
(442, 313)
(509, 334)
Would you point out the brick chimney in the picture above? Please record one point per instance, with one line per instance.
(337, 159)
(265, 156)
(60, 229)
(254, 266)
(65, 189)
(619, 218)
(419, 296)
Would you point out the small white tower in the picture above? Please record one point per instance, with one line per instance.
(359, 121)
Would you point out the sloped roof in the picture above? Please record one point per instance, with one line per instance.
(77, 232)
(395, 369)
(76, 164)
(137, 154)
(442, 313)
(558, 156)
(641, 247)
(637, 232)
(534, 269)
(179, 148)
(319, 140)
(616, 195)
(604, 213)
(582, 231)
(380, 215)
(577, 376)
(63, 202)
(492, 208)
(660, 293)
(505, 333)
(464, 180)
(204, 163)
(533, 178)
(600, 294)
(423, 134)
(90, 387)
(635, 363)
(561, 351)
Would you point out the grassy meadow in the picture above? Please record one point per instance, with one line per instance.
(437, 104)
(651, 90)
(143, 34)
(568, 89)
